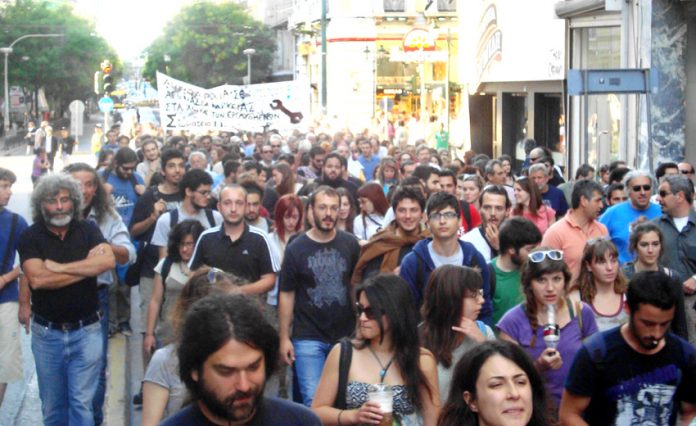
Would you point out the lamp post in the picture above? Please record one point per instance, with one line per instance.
(248, 53)
(6, 51)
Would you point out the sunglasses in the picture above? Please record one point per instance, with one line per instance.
(664, 193)
(637, 188)
(369, 312)
(538, 256)
(687, 172)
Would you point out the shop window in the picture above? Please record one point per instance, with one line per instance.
(394, 5)
(447, 5)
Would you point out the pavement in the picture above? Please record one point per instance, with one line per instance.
(21, 405)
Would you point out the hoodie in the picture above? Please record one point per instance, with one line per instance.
(419, 258)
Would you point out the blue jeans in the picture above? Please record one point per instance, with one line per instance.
(100, 394)
(67, 369)
(310, 356)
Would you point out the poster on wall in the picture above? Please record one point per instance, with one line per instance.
(504, 47)
(255, 107)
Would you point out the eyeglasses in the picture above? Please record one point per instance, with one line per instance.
(369, 312)
(637, 188)
(275, 146)
(664, 193)
(445, 215)
(686, 172)
(538, 256)
(204, 193)
(266, 151)
(127, 169)
(475, 294)
(533, 160)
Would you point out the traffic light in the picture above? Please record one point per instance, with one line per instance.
(107, 80)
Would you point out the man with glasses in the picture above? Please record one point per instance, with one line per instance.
(571, 233)
(276, 146)
(266, 156)
(686, 170)
(619, 218)
(678, 226)
(195, 188)
(495, 207)
(444, 248)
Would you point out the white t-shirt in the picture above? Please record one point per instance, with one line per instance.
(367, 226)
(161, 234)
(474, 237)
(455, 259)
(680, 222)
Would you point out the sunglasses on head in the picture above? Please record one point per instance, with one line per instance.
(538, 256)
(369, 312)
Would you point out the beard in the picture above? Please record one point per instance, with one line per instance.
(646, 342)
(516, 259)
(226, 409)
(323, 226)
(58, 220)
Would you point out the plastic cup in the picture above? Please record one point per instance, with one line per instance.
(383, 395)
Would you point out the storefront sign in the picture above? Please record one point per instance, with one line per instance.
(419, 39)
(398, 55)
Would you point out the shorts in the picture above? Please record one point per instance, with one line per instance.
(10, 344)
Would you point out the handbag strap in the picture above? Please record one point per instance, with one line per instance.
(343, 367)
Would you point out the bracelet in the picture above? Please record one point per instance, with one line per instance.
(339, 417)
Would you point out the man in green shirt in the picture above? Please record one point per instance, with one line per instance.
(517, 236)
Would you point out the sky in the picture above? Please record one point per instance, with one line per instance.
(129, 25)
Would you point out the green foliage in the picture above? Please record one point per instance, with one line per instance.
(63, 66)
(204, 44)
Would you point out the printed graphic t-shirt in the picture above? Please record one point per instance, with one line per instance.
(319, 274)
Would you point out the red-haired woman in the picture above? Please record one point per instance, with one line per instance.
(373, 206)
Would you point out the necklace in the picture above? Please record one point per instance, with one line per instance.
(384, 368)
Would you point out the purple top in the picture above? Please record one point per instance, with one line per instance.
(516, 325)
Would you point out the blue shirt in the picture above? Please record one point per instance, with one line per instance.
(123, 193)
(9, 293)
(618, 220)
(555, 199)
(369, 166)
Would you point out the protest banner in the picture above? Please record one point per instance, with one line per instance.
(253, 107)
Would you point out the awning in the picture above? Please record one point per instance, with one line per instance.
(570, 8)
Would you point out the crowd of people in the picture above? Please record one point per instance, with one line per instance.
(288, 279)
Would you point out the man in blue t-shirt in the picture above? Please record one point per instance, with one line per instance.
(11, 225)
(227, 352)
(620, 217)
(124, 185)
(553, 197)
(368, 160)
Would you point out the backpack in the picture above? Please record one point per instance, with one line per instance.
(174, 217)
(466, 213)
(420, 274)
(166, 268)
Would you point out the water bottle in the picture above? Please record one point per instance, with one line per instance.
(552, 333)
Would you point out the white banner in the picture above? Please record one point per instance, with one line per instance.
(255, 107)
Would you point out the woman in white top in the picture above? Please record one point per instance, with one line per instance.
(288, 222)
(373, 206)
(601, 284)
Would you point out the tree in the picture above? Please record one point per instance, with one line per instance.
(204, 43)
(65, 66)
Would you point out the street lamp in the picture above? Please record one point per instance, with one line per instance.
(6, 51)
(249, 52)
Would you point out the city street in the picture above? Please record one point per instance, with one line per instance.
(22, 406)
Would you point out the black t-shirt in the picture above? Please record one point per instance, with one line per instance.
(630, 388)
(248, 257)
(319, 274)
(142, 210)
(75, 301)
(273, 411)
(67, 144)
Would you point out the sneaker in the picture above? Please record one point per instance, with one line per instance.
(125, 329)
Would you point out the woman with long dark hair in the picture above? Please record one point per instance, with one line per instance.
(601, 284)
(385, 351)
(284, 179)
(451, 303)
(171, 274)
(530, 204)
(373, 206)
(545, 279)
(495, 384)
(346, 211)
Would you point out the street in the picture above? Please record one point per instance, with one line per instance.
(21, 405)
